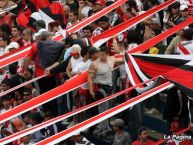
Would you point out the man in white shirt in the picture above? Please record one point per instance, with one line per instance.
(186, 46)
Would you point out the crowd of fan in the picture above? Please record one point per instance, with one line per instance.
(73, 56)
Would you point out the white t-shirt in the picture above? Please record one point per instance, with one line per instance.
(85, 11)
(74, 62)
(80, 68)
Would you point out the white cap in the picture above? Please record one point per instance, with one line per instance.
(183, 7)
(39, 33)
(13, 45)
(155, 21)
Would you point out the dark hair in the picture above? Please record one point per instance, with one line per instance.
(5, 97)
(188, 34)
(176, 4)
(108, 3)
(13, 68)
(7, 82)
(17, 27)
(74, 12)
(6, 37)
(92, 1)
(5, 28)
(87, 28)
(36, 116)
(140, 130)
(28, 90)
(84, 50)
(132, 4)
(49, 114)
(103, 19)
(133, 36)
(157, 31)
(92, 51)
(104, 49)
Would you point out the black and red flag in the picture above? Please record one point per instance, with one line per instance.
(174, 68)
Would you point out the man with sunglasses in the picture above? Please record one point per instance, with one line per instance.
(184, 14)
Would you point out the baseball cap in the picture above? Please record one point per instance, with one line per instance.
(42, 32)
(183, 7)
(155, 21)
(118, 122)
(100, 2)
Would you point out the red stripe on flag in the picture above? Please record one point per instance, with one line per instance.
(183, 49)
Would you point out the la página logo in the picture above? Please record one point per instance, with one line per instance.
(178, 139)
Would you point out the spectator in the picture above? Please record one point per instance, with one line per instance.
(27, 94)
(53, 27)
(6, 101)
(47, 83)
(185, 47)
(184, 13)
(75, 59)
(17, 126)
(4, 42)
(52, 129)
(27, 37)
(87, 32)
(16, 32)
(143, 137)
(35, 118)
(101, 72)
(96, 29)
(121, 136)
(84, 9)
(6, 84)
(72, 18)
(27, 140)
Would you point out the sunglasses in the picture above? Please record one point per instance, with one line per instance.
(174, 7)
(26, 94)
(184, 10)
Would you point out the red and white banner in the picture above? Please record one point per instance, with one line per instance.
(100, 39)
(103, 116)
(65, 116)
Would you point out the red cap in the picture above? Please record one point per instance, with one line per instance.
(101, 2)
